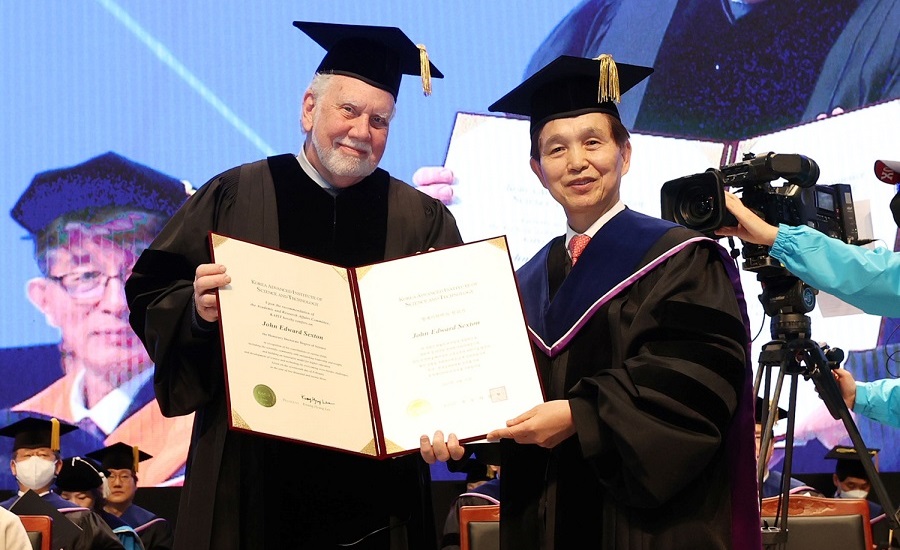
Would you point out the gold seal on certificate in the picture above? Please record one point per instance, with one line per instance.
(418, 407)
(264, 395)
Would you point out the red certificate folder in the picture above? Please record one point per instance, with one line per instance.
(366, 360)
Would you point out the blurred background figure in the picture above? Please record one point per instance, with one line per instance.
(89, 223)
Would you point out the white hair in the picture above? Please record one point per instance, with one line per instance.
(319, 86)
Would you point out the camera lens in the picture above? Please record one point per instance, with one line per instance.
(696, 206)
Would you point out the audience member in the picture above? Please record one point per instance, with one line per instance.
(81, 482)
(329, 202)
(120, 463)
(36, 463)
(851, 481)
(641, 338)
(772, 479)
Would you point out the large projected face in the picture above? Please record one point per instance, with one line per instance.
(83, 295)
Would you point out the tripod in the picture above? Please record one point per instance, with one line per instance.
(794, 353)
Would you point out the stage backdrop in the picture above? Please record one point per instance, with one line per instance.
(190, 90)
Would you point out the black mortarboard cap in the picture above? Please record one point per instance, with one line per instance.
(376, 55)
(760, 405)
(33, 432)
(571, 86)
(106, 180)
(64, 532)
(79, 474)
(849, 462)
(119, 456)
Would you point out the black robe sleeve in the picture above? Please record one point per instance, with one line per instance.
(160, 298)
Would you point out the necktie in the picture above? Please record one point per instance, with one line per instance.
(577, 245)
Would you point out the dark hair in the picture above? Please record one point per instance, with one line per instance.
(620, 135)
(850, 468)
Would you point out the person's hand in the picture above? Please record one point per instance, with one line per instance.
(834, 112)
(847, 385)
(439, 450)
(750, 228)
(546, 425)
(435, 181)
(207, 280)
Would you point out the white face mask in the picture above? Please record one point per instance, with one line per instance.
(856, 493)
(35, 472)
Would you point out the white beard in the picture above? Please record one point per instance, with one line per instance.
(341, 164)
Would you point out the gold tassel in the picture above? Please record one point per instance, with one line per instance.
(608, 88)
(54, 434)
(136, 457)
(424, 69)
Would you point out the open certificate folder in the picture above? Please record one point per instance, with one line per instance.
(366, 360)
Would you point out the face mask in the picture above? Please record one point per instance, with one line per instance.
(35, 472)
(856, 493)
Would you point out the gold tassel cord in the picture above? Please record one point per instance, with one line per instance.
(136, 457)
(424, 69)
(608, 87)
(54, 434)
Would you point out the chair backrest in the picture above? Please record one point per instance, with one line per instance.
(479, 527)
(39, 530)
(821, 522)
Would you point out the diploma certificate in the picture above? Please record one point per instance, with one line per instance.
(368, 359)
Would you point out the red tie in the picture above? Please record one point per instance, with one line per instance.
(577, 245)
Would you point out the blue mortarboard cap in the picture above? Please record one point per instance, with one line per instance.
(106, 180)
(376, 55)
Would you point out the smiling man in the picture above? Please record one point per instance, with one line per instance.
(646, 437)
(330, 202)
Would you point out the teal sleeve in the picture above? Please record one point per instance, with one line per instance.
(867, 279)
(879, 400)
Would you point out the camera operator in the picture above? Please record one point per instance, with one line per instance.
(867, 279)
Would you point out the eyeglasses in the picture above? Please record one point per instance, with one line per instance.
(121, 477)
(87, 285)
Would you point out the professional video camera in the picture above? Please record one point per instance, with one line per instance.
(698, 201)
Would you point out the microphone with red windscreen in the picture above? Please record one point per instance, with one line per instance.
(888, 171)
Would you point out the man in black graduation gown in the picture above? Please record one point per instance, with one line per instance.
(36, 464)
(120, 463)
(646, 437)
(331, 203)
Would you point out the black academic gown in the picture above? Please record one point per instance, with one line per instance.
(243, 491)
(654, 375)
(155, 532)
(96, 534)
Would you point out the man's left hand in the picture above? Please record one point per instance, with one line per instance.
(546, 425)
